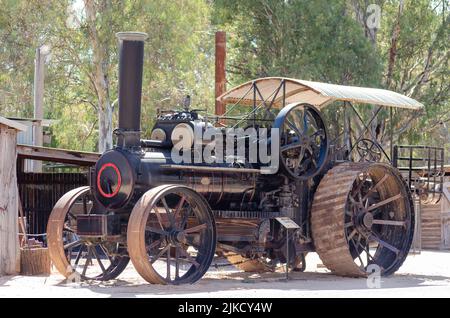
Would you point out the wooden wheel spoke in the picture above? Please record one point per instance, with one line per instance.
(99, 260)
(105, 251)
(189, 257)
(168, 264)
(353, 233)
(169, 213)
(389, 222)
(177, 264)
(88, 259)
(348, 224)
(196, 228)
(375, 187)
(179, 206)
(73, 216)
(79, 254)
(384, 244)
(185, 217)
(157, 231)
(161, 253)
(357, 253)
(73, 244)
(68, 229)
(158, 216)
(154, 244)
(386, 201)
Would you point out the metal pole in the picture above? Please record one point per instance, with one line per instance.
(221, 42)
(38, 137)
(391, 137)
(287, 254)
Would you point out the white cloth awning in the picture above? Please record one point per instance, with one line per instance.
(315, 93)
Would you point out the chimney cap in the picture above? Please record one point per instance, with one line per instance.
(131, 36)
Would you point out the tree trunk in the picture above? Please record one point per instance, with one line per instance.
(35, 261)
(9, 243)
(393, 48)
(100, 76)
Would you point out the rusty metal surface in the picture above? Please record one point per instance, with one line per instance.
(330, 208)
(138, 224)
(55, 229)
(220, 76)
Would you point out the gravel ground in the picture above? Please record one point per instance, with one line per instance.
(422, 275)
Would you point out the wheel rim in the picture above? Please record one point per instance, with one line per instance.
(303, 140)
(362, 215)
(171, 236)
(377, 220)
(76, 257)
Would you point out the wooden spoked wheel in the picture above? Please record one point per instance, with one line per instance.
(362, 215)
(76, 257)
(171, 235)
(303, 140)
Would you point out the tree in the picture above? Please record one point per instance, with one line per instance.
(81, 79)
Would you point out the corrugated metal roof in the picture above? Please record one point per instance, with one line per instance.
(315, 93)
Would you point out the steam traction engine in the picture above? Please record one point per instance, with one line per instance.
(172, 218)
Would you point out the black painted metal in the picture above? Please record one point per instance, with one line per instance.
(423, 167)
(130, 87)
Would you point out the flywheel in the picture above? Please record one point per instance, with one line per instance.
(362, 216)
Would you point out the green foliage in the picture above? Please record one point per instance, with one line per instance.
(314, 40)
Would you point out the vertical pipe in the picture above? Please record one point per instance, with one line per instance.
(38, 100)
(220, 70)
(391, 134)
(131, 60)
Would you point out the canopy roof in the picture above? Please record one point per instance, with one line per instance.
(315, 93)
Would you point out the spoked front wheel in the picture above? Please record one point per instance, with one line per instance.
(76, 257)
(171, 235)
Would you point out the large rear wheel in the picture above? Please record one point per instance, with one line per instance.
(362, 215)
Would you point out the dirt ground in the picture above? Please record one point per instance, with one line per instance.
(423, 275)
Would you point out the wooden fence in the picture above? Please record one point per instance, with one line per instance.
(39, 193)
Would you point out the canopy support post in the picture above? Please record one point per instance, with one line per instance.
(391, 135)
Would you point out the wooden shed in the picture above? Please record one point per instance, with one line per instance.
(435, 222)
(9, 242)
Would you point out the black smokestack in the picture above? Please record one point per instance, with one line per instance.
(130, 87)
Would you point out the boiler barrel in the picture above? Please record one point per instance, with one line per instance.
(216, 187)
